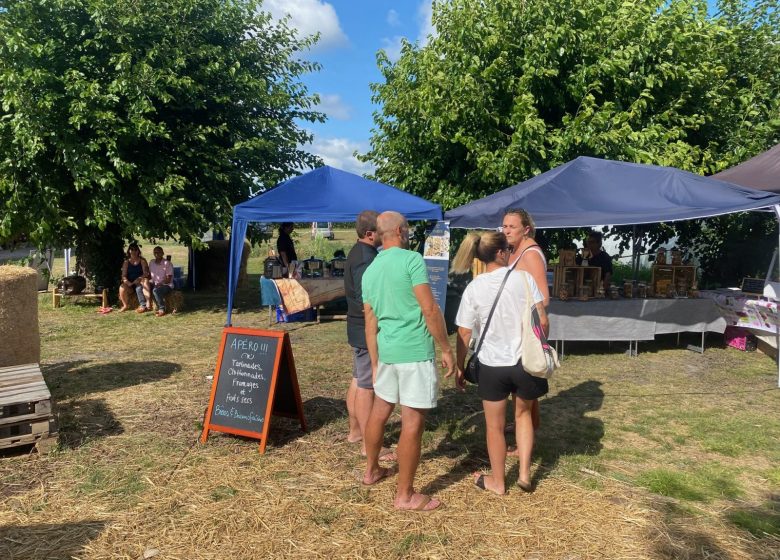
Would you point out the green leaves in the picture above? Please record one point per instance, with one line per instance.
(154, 116)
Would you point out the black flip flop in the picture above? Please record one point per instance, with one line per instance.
(480, 482)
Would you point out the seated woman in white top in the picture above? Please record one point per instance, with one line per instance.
(501, 372)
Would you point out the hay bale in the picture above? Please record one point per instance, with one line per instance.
(174, 301)
(212, 264)
(19, 316)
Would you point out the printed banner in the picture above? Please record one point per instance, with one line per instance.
(437, 260)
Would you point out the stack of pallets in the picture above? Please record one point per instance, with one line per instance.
(25, 409)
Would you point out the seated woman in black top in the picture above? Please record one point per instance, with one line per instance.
(598, 257)
(135, 276)
(285, 246)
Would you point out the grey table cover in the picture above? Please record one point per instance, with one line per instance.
(631, 319)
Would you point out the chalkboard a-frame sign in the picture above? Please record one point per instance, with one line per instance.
(255, 377)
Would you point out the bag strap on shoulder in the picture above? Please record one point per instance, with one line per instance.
(492, 309)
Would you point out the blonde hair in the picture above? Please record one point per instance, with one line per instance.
(525, 219)
(483, 246)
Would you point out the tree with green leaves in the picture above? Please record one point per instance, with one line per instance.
(124, 119)
(506, 90)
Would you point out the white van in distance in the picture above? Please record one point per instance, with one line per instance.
(325, 229)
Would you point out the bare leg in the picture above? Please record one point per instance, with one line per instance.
(123, 297)
(372, 437)
(355, 432)
(409, 444)
(536, 416)
(364, 401)
(524, 433)
(495, 419)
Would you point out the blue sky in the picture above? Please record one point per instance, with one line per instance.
(352, 31)
(351, 34)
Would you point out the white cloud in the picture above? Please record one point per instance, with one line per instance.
(392, 47)
(333, 106)
(310, 17)
(424, 20)
(393, 18)
(338, 152)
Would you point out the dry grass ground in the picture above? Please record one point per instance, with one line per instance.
(668, 455)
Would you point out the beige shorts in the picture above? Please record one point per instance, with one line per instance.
(413, 384)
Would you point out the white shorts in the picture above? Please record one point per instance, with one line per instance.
(413, 384)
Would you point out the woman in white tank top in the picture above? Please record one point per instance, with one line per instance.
(519, 228)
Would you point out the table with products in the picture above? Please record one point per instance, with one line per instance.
(297, 295)
(632, 319)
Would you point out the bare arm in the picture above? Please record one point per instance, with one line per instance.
(462, 348)
(371, 331)
(284, 259)
(544, 320)
(436, 326)
(534, 265)
(124, 271)
(145, 268)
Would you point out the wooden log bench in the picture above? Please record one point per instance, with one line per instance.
(26, 409)
(57, 297)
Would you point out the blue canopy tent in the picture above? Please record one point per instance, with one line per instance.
(324, 194)
(589, 192)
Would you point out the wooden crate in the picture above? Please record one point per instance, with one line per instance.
(665, 275)
(576, 276)
(25, 408)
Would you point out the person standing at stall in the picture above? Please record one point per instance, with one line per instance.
(520, 231)
(360, 395)
(402, 323)
(506, 292)
(285, 247)
(597, 256)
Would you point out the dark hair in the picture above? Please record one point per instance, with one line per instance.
(484, 246)
(525, 219)
(135, 246)
(366, 221)
(284, 225)
(596, 236)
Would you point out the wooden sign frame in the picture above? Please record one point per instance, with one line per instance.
(283, 352)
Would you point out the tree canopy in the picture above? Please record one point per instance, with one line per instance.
(140, 118)
(506, 90)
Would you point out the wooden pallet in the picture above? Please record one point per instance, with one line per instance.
(25, 408)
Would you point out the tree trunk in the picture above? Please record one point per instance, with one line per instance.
(100, 256)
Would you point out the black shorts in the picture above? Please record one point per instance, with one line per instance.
(497, 383)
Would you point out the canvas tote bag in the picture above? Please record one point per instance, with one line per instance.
(537, 356)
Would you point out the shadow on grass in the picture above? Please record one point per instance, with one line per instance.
(69, 379)
(43, 541)
(566, 430)
(84, 420)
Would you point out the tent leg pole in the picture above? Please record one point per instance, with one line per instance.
(777, 328)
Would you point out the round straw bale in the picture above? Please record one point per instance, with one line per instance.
(19, 316)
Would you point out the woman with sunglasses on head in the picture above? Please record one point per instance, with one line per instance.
(501, 371)
(519, 228)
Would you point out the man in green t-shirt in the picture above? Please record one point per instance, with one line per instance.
(402, 323)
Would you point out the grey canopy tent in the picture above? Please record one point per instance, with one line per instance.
(761, 172)
(589, 192)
